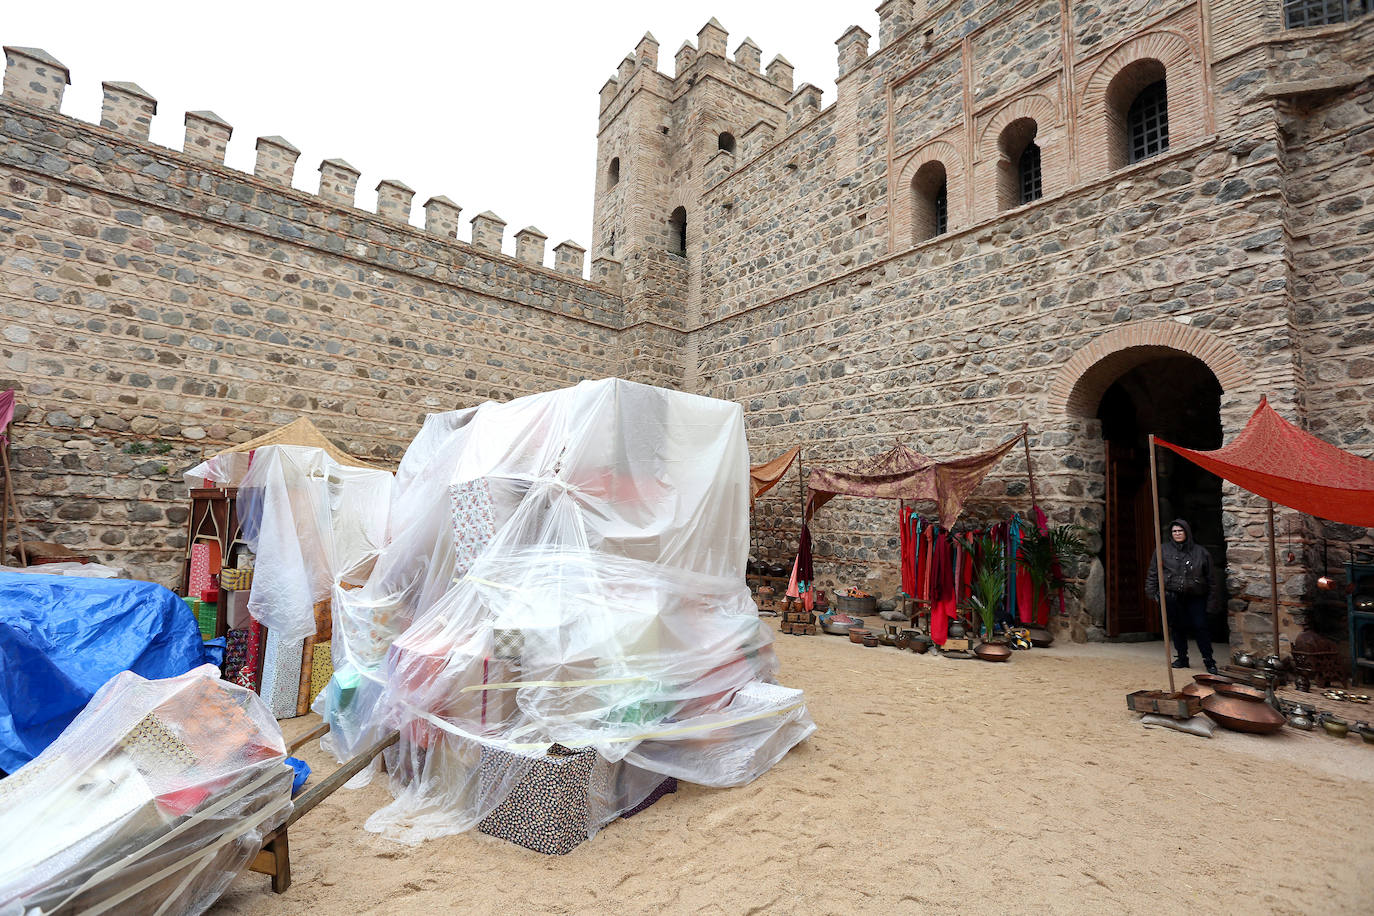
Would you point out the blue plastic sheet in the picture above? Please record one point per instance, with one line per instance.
(63, 637)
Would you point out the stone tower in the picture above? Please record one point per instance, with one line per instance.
(662, 142)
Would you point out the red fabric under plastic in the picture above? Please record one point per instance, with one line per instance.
(1276, 460)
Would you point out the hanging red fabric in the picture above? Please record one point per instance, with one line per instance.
(1274, 459)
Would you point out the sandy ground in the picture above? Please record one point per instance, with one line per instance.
(931, 785)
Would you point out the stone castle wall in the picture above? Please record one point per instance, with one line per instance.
(157, 307)
(838, 330)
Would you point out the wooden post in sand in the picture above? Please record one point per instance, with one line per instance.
(1030, 471)
(1273, 579)
(1159, 563)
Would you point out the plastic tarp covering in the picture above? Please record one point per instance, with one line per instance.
(63, 637)
(564, 568)
(311, 523)
(150, 802)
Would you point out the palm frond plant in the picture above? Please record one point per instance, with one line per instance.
(1048, 556)
(989, 582)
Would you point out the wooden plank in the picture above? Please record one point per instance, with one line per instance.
(318, 731)
(313, 796)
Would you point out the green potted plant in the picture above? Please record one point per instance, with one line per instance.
(989, 589)
(1046, 556)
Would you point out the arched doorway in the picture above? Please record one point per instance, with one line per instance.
(1178, 398)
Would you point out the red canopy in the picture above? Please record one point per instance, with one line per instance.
(1276, 460)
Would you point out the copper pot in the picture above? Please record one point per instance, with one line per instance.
(992, 652)
(857, 634)
(1242, 714)
(1241, 691)
(1201, 691)
(1211, 680)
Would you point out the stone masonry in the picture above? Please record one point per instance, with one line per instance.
(749, 243)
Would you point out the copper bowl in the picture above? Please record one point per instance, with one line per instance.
(870, 641)
(1040, 637)
(1201, 691)
(1240, 691)
(1212, 680)
(992, 652)
(857, 634)
(1242, 714)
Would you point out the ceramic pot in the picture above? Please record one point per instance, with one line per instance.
(956, 629)
(857, 634)
(992, 652)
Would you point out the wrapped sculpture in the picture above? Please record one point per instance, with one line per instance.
(565, 573)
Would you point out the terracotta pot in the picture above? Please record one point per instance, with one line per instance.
(857, 634)
(992, 652)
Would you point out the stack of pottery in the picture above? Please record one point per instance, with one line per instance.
(1242, 709)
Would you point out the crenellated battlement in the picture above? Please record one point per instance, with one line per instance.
(712, 44)
(35, 78)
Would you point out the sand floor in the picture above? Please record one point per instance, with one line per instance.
(931, 785)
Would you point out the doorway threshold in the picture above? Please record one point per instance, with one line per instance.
(1134, 637)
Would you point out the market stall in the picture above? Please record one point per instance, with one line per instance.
(939, 565)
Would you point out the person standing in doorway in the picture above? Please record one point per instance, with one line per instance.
(1187, 592)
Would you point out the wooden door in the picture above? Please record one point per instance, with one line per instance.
(1129, 542)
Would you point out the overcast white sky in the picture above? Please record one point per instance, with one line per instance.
(492, 104)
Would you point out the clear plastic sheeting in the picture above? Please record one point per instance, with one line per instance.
(312, 524)
(151, 801)
(564, 568)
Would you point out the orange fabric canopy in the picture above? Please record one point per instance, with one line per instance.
(764, 477)
(1276, 460)
(900, 473)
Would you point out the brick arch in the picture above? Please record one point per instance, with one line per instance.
(1036, 106)
(1188, 105)
(946, 153)
(1081, 382)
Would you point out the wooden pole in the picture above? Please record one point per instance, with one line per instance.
(1159, 564)
(1273, 578)
(11, 504)
(1030, 471)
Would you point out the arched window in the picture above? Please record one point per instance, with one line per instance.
(726, 141)
(1298, 14)
(1147, 122)
(1019, 165)
(929, 202)
(613, 173)
(677, 232)
(1137, 113)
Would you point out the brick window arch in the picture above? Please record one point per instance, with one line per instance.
(1137, 113)
(1112, 87)
(613, 173)
(1018, 176)
(929, 201)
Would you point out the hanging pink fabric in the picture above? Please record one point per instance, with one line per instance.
(6, 413)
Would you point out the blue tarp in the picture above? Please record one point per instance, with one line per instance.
(63, 637)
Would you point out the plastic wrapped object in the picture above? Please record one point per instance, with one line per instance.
(154, 798)
(566, 568)
(312, 523)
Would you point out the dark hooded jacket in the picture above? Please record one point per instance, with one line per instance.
(1187, 566)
